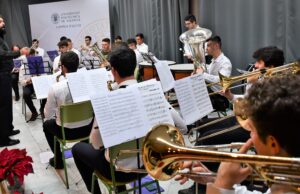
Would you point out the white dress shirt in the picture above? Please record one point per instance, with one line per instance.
(139, 57)
(56, 61)
(219, 65)
(59, 94)
(41, 52)
(143, 48)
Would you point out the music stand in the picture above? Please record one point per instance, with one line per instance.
(52, 54)
(150, 58)
(91, 62)
(36, 66)
(17, 65)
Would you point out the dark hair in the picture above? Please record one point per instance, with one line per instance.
(141, 35)
(88, 37)
(15, 45)
(274, 107)
(32, 52)
(62, 43)
(106, 40)
(216, 39)
(63, 38)
(123, 60)
(69, 40)
(118, 38)
(120, 44)
(70, 60)
(190, 18)
(35, 40)
(131, 41)
(271, 55)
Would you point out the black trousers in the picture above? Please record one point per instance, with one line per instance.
(6, 114)
(15, 83)
(28, 90)
(88, 159)
(51, 129)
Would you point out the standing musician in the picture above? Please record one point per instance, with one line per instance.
(190, 23)
(272, 109)
(6, 67)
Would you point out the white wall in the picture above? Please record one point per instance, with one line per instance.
(74, 19)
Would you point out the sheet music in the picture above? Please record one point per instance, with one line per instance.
(166, 78)
(42, 84)
(193, 98)
(128, 114)
(82, 84)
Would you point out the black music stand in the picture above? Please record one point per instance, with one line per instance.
(17, 65)
(150, 58)
(91, 62)
(35, 66)
(52, 54)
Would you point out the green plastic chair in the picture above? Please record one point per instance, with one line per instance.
(112, 184)
(71, 113)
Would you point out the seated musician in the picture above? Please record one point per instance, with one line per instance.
(273, 111)
(266, 57)
(90, 157)
(28, 90)
(58, 95)
(220, 64)
(105, 50)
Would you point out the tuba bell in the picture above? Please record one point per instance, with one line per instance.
(195, 40)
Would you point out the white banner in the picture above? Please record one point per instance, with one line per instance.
(74, 19)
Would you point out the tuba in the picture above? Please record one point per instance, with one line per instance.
(195, 40)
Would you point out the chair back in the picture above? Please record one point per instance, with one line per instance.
(70, 113)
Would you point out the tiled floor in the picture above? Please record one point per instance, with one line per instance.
(45, 179)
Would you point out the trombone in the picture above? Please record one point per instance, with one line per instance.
(226, 82)
(164, 152)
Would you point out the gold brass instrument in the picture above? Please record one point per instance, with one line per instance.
(99, 54)
(226, 82)
(195, 40)
(164, 152)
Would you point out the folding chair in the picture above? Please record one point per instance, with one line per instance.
(112, 184)
(71, 113)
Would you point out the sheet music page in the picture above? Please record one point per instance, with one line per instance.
(128, 114)
(193, 98)
(120, 116)
(82, 84)
(154, 102)
(166, 78)
(42, 84)
(77, 85)
(96, 80)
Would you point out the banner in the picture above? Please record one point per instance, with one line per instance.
(74, 19)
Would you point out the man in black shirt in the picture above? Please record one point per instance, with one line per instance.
(6, 115)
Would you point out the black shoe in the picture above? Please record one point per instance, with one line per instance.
(192, 189)
(9, 142)
(14, 132)
(17, 98)
(33, 117)
(59, 165)
(42, 115)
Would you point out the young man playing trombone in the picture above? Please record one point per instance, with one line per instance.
(272, 109)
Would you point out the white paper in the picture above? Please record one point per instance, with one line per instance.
(165, 75)
(128, 114)
(84, 83)
(193, 98)
(42, 84)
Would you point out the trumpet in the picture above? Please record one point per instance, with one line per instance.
(164, 152)
(226, 82)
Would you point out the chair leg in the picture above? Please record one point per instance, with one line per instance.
(93, 183)
(65, 167)
(55, 154)
(157, 186)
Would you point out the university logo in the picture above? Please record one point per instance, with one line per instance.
(55, 18)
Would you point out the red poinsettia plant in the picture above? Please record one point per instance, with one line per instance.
(14, 165)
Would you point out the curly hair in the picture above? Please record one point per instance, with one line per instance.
(270, 55)
(274, 107)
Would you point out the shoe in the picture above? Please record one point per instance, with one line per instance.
(17, 98)
(59, 165)
(192, 189)
(42, 115)
(33, 117)
(9, 142)
(14, 132)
